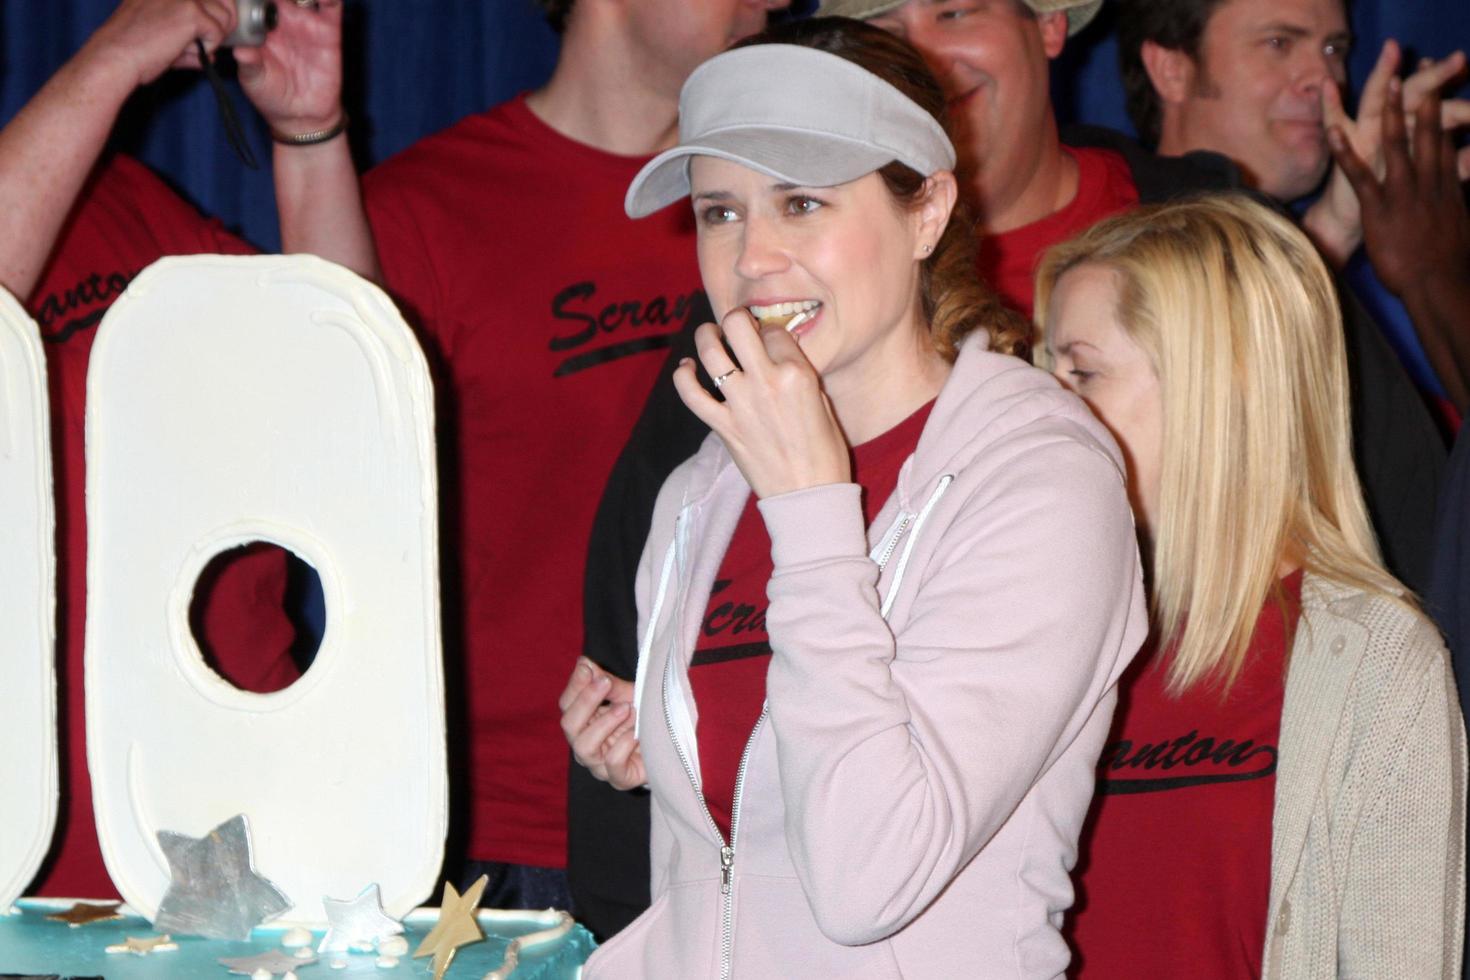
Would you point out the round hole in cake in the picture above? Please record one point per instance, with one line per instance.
(258, 616)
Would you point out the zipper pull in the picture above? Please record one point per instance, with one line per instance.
(727, 866)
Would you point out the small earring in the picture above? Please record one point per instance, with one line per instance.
(928, 248)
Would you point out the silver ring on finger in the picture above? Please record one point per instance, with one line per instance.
(720, 381)
(308, 4)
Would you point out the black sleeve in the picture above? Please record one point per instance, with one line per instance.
(1399, 453)
(607, 829)
(1159, 179)
(1448, 597)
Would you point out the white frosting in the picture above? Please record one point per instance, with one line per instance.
(393, 946)
(297, 938)
(283, 399)
(386, 962)
(28, 769)
(558, 924)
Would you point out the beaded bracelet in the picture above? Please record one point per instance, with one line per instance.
(312, 138)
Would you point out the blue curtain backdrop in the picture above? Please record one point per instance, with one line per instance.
(417, 65)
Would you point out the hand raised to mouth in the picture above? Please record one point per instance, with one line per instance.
(775, 420)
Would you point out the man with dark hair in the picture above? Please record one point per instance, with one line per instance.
(1175, 26)
(1259, 81)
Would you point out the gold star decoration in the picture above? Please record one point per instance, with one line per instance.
(456, 926)
(145, 945)
(82, 913)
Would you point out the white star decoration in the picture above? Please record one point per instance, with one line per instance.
(145, 945)
(360, 922)
(274, 962)
(215, 890)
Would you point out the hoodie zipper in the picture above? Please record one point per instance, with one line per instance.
(894, 537)
(727, 848)
(727, 856)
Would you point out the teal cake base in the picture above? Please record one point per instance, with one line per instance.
(32, 945)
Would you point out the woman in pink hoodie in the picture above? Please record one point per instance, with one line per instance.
(885, 606)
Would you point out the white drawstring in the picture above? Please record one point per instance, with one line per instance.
(646, 647)
(908, 546)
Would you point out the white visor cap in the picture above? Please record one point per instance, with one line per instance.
(801, 115)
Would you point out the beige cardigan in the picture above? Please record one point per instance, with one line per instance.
(1368, 838)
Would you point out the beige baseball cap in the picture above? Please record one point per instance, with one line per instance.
(1079, 12)
(800, 115)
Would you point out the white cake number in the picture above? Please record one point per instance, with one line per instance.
(28, 770)
(284, 400)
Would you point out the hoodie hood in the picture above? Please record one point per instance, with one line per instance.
(987, 398)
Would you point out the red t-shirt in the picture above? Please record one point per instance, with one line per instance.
(550, 312)
(1008, 261)
(1174, 873)
(728, 669)
(124, 220)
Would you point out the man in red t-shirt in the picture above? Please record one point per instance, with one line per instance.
(1029, 188)
(548, 315)
(75, 234)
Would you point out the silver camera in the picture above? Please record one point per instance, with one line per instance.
(254, 20)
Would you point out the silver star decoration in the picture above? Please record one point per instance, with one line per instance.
(215, 891)
(276, 962)
(361, 921)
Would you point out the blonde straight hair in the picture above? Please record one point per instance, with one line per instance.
(1239, 317)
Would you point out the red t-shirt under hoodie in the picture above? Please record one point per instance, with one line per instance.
(728, 670)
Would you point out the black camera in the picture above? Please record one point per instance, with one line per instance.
(254, 20)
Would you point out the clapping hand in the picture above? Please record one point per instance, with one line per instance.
(597, 713)
(1417, 231)
(1334, 220)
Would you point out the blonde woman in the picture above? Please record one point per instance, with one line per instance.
(1283, 790)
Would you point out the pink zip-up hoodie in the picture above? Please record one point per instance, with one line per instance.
(910, 801)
